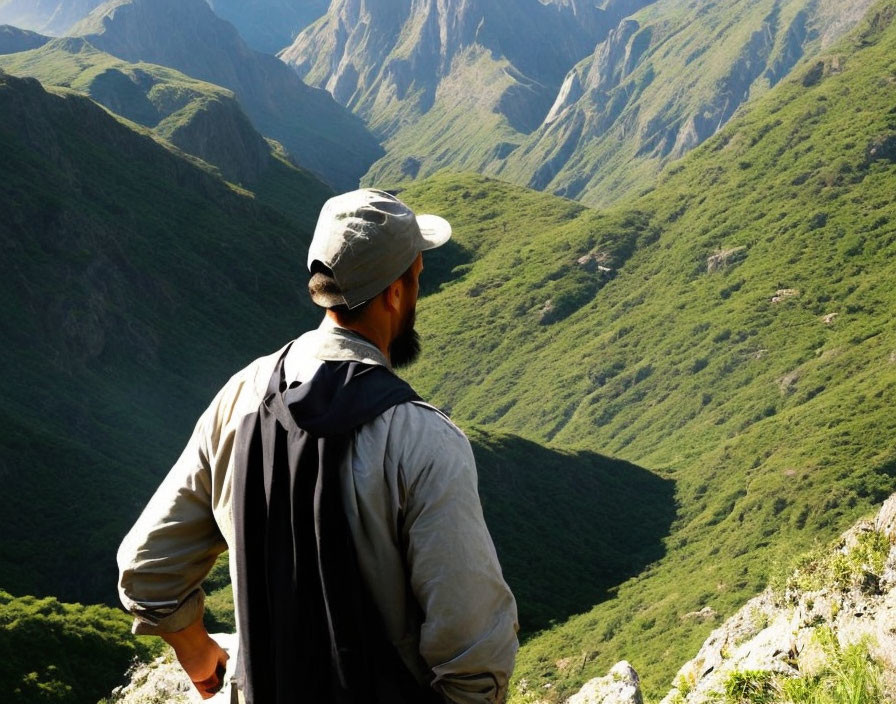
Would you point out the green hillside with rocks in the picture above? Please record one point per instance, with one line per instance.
(730, 331)
(668, 399)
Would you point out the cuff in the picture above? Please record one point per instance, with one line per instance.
(188, 612)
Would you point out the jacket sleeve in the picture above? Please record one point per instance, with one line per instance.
(172, 546)
(468, 637)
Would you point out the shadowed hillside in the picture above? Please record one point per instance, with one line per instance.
(568, 526)
(135, 283)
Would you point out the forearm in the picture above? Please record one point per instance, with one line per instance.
(200, 656)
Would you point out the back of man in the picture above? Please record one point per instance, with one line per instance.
(411, 504)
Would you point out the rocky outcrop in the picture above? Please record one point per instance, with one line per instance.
(620, 686)
(186, 35)
(834, 600)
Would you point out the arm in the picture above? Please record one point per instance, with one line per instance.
(201, 658)
(468, 637)
(166, 555)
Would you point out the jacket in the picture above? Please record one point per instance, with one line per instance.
(413, 510)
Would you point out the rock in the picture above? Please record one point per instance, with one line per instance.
(789, 634)
(885, 522)
(829, 318)
(163, 680)
(882, 147)
(621, 686)
(725, 258)
(707, 613)
(596, 262)
(784, 293)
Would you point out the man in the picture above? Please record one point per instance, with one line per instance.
(408, 485)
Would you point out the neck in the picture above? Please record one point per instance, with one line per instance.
(374, 334)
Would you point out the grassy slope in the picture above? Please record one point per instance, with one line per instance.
(135, 283)
(775, 425)
(202, 118)
(66, 653)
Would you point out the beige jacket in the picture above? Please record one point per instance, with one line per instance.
(411, 499)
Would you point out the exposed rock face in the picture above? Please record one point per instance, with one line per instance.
(14, 40)
(188, 36)
(850, 593)
(662, 82)
(620, 686)
(427, 74)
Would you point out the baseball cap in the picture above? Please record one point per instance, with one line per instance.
(368, 239)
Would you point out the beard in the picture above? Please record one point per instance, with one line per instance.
(405, 348)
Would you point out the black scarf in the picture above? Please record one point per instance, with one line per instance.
(309, 631)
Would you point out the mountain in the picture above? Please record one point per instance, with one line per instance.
(269, 25)
(730, 331)
(203, 120)
(456, 83)
(54, 17)
(13, 39)
(187, 36)
(663, 81)
(266, 25)
(131, 291)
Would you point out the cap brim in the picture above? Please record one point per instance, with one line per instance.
(435, 230)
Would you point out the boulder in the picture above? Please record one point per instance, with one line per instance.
(620, 686)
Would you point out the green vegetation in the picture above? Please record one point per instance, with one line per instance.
(136, 283)
(65, 653)
(849, 675)
(202, 119)
(763, 387)
(859, 565)
(748, 396)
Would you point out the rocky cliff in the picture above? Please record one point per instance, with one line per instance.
(662, 81)
(186, 35)
(824, 632)
(448, 83)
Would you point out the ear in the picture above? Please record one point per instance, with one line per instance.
(392, 296)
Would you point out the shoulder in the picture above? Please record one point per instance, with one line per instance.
(422, 438)
(240, 396)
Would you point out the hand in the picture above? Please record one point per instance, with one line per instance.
(202, 658)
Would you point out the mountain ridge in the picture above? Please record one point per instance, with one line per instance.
(187, 36)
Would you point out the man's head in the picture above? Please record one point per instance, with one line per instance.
(365, 262)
